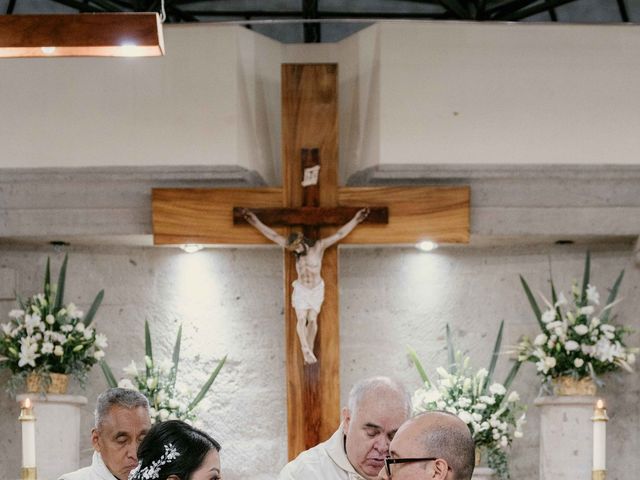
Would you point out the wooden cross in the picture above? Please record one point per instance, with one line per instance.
(309, 134)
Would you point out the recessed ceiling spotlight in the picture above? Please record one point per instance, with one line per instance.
(426, 246)
(191, 247)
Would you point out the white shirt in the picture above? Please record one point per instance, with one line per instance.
(97, 471)
(326, 461)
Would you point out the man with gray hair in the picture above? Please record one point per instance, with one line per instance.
(432, 445)
(376, 409)
(122, 421)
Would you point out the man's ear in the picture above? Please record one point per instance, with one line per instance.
(346, 419)
(95, 439)
(440, 469)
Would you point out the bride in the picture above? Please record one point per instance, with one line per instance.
(174, 450)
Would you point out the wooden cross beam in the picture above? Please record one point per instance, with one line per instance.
(309, 134)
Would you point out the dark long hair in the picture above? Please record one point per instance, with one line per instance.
(191, 444)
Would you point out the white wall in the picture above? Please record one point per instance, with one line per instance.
(509, 93)
(230, 301)
(410, 92)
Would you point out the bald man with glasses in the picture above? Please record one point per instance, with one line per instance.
(434, 446)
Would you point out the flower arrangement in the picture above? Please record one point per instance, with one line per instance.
(494, 415)
(45, 336)
(577, 338)
(157, 382)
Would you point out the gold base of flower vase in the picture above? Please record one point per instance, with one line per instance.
(599, 475)
(59, 382)
(571, 386)
(29, 473)
(478, 456)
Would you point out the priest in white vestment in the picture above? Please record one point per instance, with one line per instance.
(122, 421)
(356, 451)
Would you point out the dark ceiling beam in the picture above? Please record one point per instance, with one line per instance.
(80, 6)
(10, 7)
(528, 12)
(624, 14)
(312, 30)
(249, 14)
(497, 12)
(454, 6)
(553, 15)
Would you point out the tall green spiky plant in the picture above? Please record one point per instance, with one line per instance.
(160, 386)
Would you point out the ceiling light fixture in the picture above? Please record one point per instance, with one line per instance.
(426, 246)
(82, 35)
(191, 247)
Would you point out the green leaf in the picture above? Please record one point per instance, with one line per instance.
(47, 280)
(512, 374)
(205, 388)
(88, 318)
(108, 374)
(148, 350)
(60, 290)
(494, 356)
(585, 279)
(612, 296)
(414, 358)
(176, 356)
(532, 302)
(451, 354)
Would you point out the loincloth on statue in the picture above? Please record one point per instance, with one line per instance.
(305, 298)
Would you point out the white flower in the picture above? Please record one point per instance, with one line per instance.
(130, 369)
(28, 353)
(592, 294)
(513, 397)
(546, 364)
(595, 321)
(6, 328)
(588, 310)
(165, 366)
(517, 434)
(442, 372)
(152, 382)
(66, 328)
(562, 300)
(163, 414)
(488, 400)
(79, 326)
(161, 396)
(16, 313)
(98, 354)
(50, 319)
(173, 403)
(101, 340)
(47, 347)
(571, 346)
(464, 402)
(631, 358)
(581, 329)
(548, 316)
(504, 442)
(88, 333)
(540, 340)
(465, 416)
(126, 383)
(58, 351)
(578, 362)
(497, 389)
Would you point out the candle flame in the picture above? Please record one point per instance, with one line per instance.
(27, 403)
(600, 403)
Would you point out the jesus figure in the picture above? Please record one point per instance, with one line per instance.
(308, 288)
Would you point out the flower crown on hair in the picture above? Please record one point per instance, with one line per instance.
(152, 470)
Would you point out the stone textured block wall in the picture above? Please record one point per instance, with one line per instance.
(230, 301)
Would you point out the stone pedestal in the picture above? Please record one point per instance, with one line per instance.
(483, 473)
(57, 432)
(566, 433)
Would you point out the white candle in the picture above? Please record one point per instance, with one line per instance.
(28, 421)
(600, 437)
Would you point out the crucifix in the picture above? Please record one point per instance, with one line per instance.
(397, 215)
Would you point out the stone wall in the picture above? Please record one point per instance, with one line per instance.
(230, 302)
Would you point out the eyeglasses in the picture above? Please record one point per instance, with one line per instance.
(388, 461)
